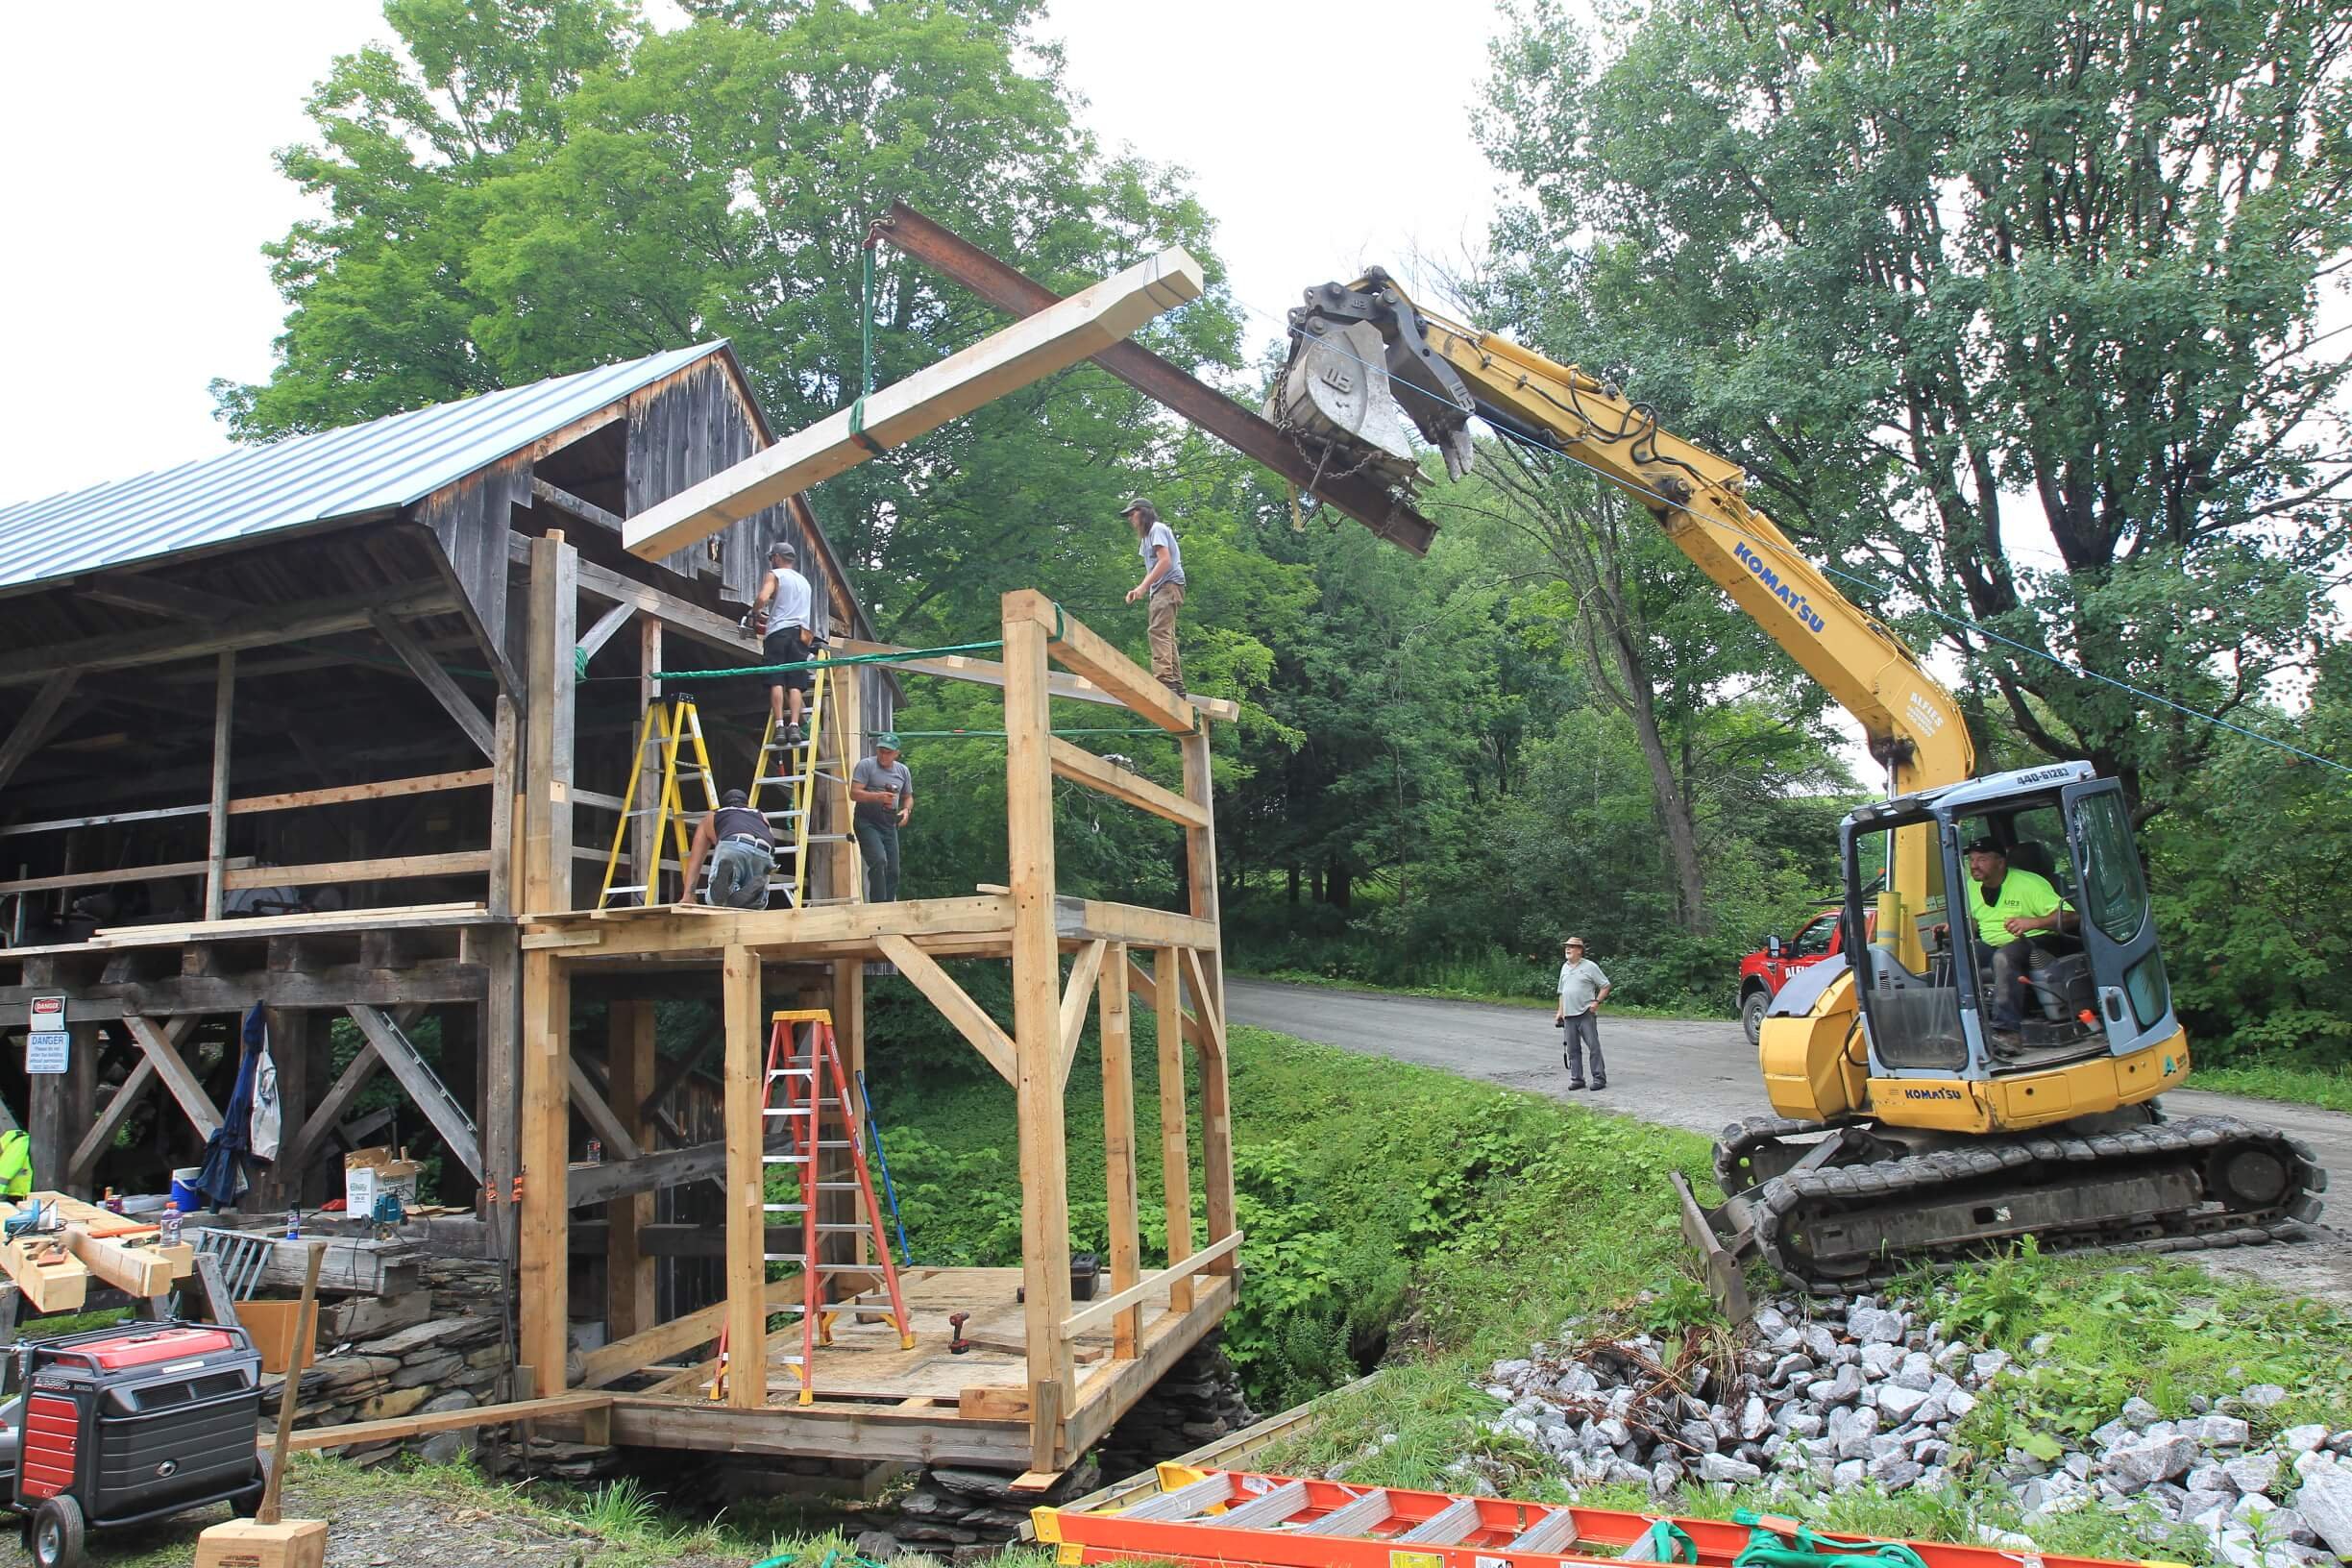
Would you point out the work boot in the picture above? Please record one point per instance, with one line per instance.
(792, 736)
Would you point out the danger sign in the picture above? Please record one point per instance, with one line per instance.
(48, 1043)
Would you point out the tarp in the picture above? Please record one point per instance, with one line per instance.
(228, 1149)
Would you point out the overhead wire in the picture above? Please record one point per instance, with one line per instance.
(1789, 552)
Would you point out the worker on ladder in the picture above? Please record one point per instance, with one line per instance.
(741, 849)
(781, 612)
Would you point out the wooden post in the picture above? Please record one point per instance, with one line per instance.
(1037, 1032)
(216, 839)
(628, 1269)
(746, 1176)
(848, 1005)
(505, 779)
(500, 1113)
(289, 1050)
(645, 850)
(1216, 1103)
(1175, 1145)
(847, 719)
(1119, 1144)
(548, 719)
(544, 1268)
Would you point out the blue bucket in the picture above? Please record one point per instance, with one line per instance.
(184, 1188)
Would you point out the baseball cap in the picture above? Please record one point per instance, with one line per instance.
(784, 548)
(1986, 841)
(1136, 504)
(887, 742)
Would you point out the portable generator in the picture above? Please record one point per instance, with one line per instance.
(123, 1425)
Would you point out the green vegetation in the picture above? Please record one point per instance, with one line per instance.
(2328, 1087)
(1554, 722)
(1467, 984)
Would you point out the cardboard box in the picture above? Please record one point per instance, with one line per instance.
(241, 1543)
(272, 1324)
(369, 1173)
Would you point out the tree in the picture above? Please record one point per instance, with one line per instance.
(1944, 277)
(520, 191)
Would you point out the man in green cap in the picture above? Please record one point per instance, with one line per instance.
(885, 795)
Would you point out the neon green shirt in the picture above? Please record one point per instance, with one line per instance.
(2021, 892)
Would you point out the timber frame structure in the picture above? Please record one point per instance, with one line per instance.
(233, 687)
(1043, 1381)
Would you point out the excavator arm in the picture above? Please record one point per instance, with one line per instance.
(1361, 351)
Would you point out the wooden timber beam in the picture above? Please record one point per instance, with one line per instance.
(1175, 1145)
(988, 673)
(1087, 920)
(1084, 651)
(1362, 496)
(564, 500)
(1121, 1226)
(1076, 998)
(33, 726)
(1028, 351)
(1163, 998)
(746, 1191)
(438, 681)
(392, 867)
(152, 596)
(598, 1114)
(1083, 767)
(680, 615)
(173, 1071)
(601, 633)
(279, 624)
(955, 1004)
(787, 931)
(610, 1364)
(397, 1427)
(440, 981)
(383, 788)
(216, 815)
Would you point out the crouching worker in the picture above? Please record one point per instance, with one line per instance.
(741, 849)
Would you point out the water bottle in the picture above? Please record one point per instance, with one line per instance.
(596, 1151)
(171, 1225)
(293, 1225)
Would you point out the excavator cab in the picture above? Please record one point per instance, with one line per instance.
(1927, 985)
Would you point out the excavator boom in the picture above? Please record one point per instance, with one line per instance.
(1914, 1127)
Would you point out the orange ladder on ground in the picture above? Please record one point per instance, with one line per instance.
(1234, 1516)
(816, 1083)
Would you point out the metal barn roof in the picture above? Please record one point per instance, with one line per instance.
(305, 478)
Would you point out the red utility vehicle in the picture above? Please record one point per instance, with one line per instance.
(1763, 972)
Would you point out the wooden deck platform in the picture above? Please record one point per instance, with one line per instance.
(876, 1401)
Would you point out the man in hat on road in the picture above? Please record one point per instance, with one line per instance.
(1162, 584)
(885, 795)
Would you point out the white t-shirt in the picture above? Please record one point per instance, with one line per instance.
(1579, 982)
(790, 605)
(1156, 537)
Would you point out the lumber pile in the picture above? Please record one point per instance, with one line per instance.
(54, 1266)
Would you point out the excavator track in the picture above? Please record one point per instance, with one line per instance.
(2202, 1181)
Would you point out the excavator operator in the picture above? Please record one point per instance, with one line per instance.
(2011, 909)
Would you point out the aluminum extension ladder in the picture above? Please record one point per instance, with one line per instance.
(666, 730)
(1232, 1516)
(817, 1090)
(799, 770)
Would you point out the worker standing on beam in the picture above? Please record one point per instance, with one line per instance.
(885, 795)
(781, 612)
(1163, 584)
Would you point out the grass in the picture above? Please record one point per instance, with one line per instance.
(617, 1524)
(1448, 992)
(2328, 1087)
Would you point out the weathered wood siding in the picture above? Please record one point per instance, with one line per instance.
(471, 520)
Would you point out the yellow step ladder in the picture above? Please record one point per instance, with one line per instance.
(798, 772)
(668, 728)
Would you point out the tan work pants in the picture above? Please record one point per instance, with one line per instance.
(1166, 668)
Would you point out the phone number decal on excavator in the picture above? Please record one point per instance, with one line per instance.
(1781, 591)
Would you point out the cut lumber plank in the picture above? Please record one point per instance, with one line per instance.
(1083, 767)
(1028, 351)
(52, 1279)
(460, 863)
(141, 1271)
(560, 1406)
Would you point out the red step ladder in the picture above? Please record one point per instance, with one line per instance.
(816, 1090)
(1221, 1517)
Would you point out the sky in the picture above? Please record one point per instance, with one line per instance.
(144, 186)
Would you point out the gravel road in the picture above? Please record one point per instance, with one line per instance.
(1702, 1075)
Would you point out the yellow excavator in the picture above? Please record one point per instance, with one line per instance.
(1922, 1115)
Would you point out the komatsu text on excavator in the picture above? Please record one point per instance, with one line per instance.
(1922, 1117)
